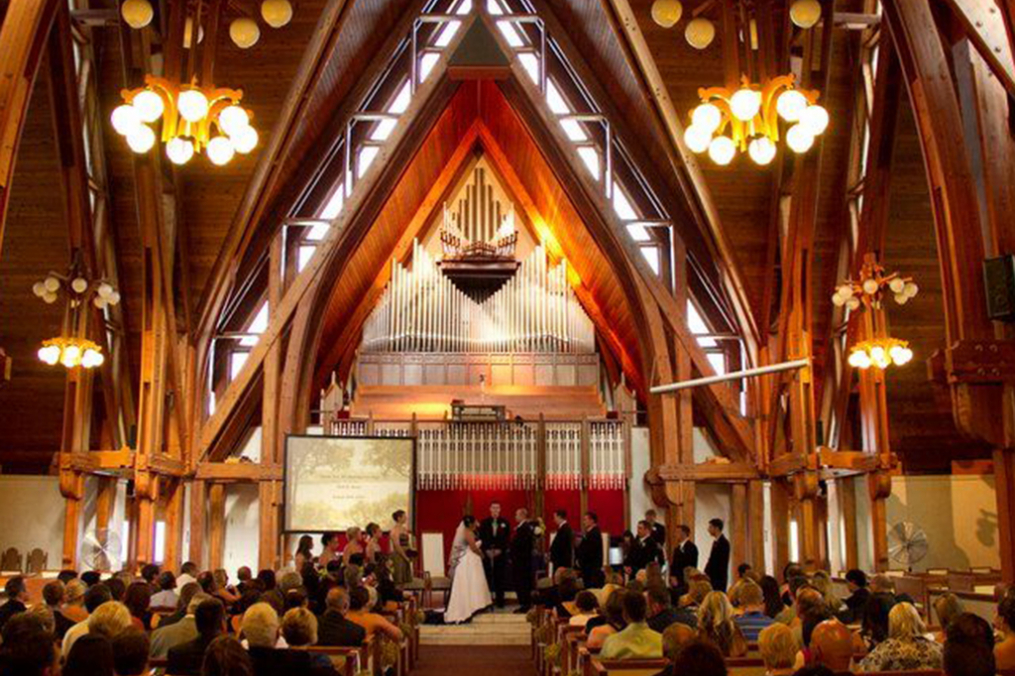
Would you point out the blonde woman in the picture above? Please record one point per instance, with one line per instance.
(716, 624)
(906, 648)
(778, 649)
(822, 581)
(697, 590)
(353, 546)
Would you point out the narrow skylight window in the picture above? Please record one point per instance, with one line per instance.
(530, 62)
(447, 33)
(651, 255)
(317, 232)
(574, 130)
(401, 101)
(367, 155)
(622, 205)
(638, 232)
(697, 326)
(427, 63)
(554, 99)
(257, 325)
(718, 362)
(591, 159)
(303, 257)
(160, 541)
(511, 34)
(236, 362)
(464, 8)
(494, 8)
(334, 205)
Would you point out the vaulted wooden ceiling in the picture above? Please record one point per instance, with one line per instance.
(210, 199)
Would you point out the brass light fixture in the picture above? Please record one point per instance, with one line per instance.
(879, 349)
(71, 348)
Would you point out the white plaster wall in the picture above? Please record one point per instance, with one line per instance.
(639, 498)
(864, 531)
(957, 512)
(242, 533)
(31, 515)
(710, 501)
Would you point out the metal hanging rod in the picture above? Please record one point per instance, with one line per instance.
(736, 375)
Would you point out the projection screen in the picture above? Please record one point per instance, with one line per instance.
(332, 483)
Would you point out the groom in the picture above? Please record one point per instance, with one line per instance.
(522, 544)
(494, 534)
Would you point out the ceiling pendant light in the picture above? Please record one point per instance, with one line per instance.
(799, 139)
(700, 32)
(697, 138)
(790, 105)
(244, 32)
(805, 13)
(276, 13)
(220, 150)
(667, 13)
(814, 119)
(707, 116)
(71, 348)
(761, 150)
(721, 150)
(179, 150)
(137, 13)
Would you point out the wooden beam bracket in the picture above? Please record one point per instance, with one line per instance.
(974, 362)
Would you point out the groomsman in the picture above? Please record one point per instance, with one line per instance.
(590, 552)
(718, 566)
(644, 551)
(494, 536)
(522, 544)
(684, 554)
(658, 530)
(562, 548)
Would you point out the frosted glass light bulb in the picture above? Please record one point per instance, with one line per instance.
(179, 150)
(220, 150)
(666, 13)
(697, 139)
(39, 289)
(859, 359)
(846, 291)
(141, 139)
(192, 104)
(245, 140)
(837, 300)
(699, 33)
(721, 150)
(745, 104)
(761, 150)
(52, 284)
(125, 119)
(149, 105)
(897, 285)
(911, 289)
(799, 139)
(80, 285)
(707, 117)
(71, 356)
(276, 13)
(870, 286)
(814, 119)
(790, 105)
(233, 119)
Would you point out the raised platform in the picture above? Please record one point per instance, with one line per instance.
(501, 627)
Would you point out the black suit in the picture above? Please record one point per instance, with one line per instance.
(643, 552)
(718, 566)
(275, 661)
(562, 548)
(522, 544)
(187, 658)
(659, 535)
(685, 554)
(334, 630)
(590, 558)
(495, 539)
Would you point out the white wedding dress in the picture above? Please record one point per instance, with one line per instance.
(469, 590)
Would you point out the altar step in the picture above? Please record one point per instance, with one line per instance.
(493, 628)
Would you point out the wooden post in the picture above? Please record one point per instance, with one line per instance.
(738, 525)
(72, 488)
(847, 507)
(540, 497)
(271, 448)
(780, 525)
(216, 525)
(198, 509)
(756, 524)
(174, 525)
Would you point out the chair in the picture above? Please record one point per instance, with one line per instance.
(434, 568)
(598, 667)
(38, 561)
(11, 562)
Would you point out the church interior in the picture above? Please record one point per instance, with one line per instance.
(354, 289)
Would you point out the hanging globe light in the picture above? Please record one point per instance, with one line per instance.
(141, 139)
(220, 150)
(790, 104)
(799, 139)
(244, 32)
(699, 33)
(761, 150)
(814, 119)
(233, 119)
(179, 150)
(721, 150)
(805, 13)
(137, 13)
(149, 105)
(192, 104)
(245, 141)
(745, 104)
(276, 13)
(667, 13)
(697, 139)
(707, 116)
(125, 119)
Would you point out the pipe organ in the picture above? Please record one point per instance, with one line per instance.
(422, 310)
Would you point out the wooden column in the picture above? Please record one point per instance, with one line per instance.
(847, 507)
(806, 488)
(738, 524)
(880, 486)
(216, 525)
(72, 488)
(780, 525)
(756, 524)
(1004, 479)
(174, 525)
(271, 437)
(198, 509)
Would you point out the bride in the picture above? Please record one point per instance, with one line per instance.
(469, 590)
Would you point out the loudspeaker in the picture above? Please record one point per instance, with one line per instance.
(999, 280)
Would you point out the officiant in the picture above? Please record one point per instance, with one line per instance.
(494, 535)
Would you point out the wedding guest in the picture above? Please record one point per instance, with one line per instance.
(700, 658)
(304, 552)
(92, 655)
(330, 552)
(699, 588)
(778, 649)
(906, 647)
(169, 636)
(74, 601)
(822, 581)
(209, 619)
(188, 574)
(1004, 651)
(400, 537)
(947, 607)
(260, 628)
(716, 624)
(874, 625)
(267, 579)
(53, 595)
(299, 628)
(773, 599)
(17, 597)
(675, 639)
(859, 594)
(752, 618)
(590, 552)
(657, 530)
(166, 596)
(27, 649)
(662, 614)
(96, 597)
(109, 620)
(562, 547)
(334, 629)
(371, 622)
(130, 653)
(187, 592)
(244, 578)
(226, 657)
(636, 640)
(610, 622)
(831, 645)
(372, 547)
(685, 555)
(968, 649)
(586, 607)
(718, 565)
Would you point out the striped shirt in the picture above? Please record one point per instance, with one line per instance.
(751, 624)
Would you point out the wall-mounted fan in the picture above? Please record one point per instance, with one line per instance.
(907, 543)
(100, 549)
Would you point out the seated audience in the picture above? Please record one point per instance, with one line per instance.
(27, 650)
(831, 645)
(260, 628)
(96, 596)
(130, 653)
(789, 613)
(91, 577)
(166, 596)
(586, 607)
(109, 620)
(697, 589)
(856, 582)
(946, 607)
(773, 599)
(906, 647)
(661, 613)
(92, 655)
(166, 637)
(244, 577)
(752, 618)
(1004, 651)
(210, 621)
(675, 638)
(149, 573)
(226, 657)
(137, 600)
(636, 640)
(42, 613)
(372, 622)
(187, 592)
(874, 625)
(609, 623)
(334, 629)
(74, 601)
(716, 624)
(117, 587)
(969, 647)
(17, 597)
(299, 628)
(778, 649)
(822, 581)
(54, 594)
(188, 574)
(700, 658)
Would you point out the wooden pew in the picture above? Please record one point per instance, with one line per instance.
(348, 661)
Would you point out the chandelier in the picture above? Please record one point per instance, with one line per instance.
(868, 292)
(189, 114)
(71, 348)
(748, 120)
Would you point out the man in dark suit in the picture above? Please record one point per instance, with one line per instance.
(522, 544)
(718, 566)
(187, 658)
(333, 629)
(590, 552)
(658, 530)
(684, 554)
(17, 597)
(562, 548)
(494, 535)
(644, 551)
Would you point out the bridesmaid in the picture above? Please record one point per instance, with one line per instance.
(304, 552)
(373, 545)
(353, 546)
(400, 542)
(330, 553)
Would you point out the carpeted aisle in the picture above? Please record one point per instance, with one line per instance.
(487, 660)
